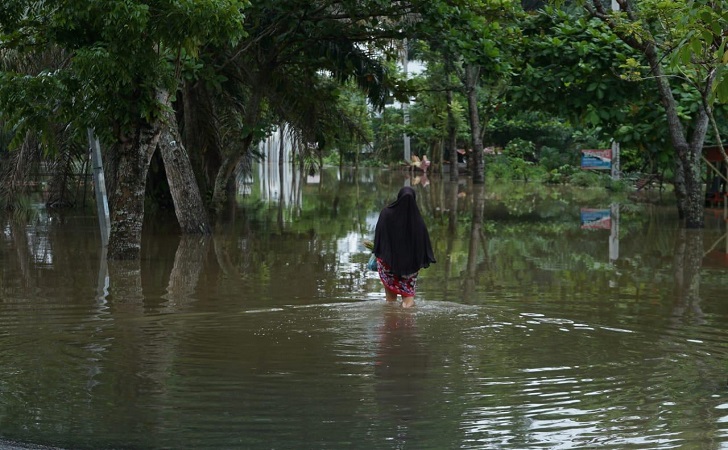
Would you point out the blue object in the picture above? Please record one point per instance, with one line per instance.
(372, 264)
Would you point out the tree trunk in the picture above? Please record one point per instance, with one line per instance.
(127, 203)
(689, 154)
(281, 144)
(197, 126)
(224, 175)
(472, 75)
(232, 158)
(188, 204)
(452, 136)
(680, 191)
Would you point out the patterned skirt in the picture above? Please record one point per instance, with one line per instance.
(404, 285)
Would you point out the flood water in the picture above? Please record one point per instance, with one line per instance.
(533, 329)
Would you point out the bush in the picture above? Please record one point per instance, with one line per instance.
(585, 178)
(560, 175)
(498, 168)
(555, 159)
(504, 167)
(521, 149)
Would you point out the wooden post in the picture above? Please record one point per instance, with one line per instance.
(102, 201)
(615, 160)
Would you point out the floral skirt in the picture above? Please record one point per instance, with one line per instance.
(404, 285)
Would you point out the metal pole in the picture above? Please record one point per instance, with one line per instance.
(405, 105)
(615, 144)
(102, 202)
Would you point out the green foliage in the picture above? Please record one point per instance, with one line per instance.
(503, 167)
(556, 159)
(569, 66)
(388, 128)
(533, 126)
(692, 35)
(120, 54)
(521, 149)
(588, 179)
(560, 175)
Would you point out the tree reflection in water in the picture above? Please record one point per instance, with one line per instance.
(687, 261)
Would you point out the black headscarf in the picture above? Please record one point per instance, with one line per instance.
(401, 239)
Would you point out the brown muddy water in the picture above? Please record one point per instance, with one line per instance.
(533, 330)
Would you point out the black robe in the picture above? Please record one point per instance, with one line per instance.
(401, 239)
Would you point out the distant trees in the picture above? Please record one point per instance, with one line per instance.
(210, 76)
(203, 82)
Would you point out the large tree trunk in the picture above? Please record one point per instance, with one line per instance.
(688, 154)
(188, 204)
(198, 132)
(472, 75)
(127, 202)
(678, 183)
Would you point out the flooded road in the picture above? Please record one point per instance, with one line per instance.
(554, 318)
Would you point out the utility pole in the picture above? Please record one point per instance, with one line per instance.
(405, 105)
(102, 201)
(615, 144)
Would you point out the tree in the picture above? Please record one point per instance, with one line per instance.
(682, 43)
(469, 36)
(289, 68)
(124, 65)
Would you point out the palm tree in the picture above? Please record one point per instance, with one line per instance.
(276, 75)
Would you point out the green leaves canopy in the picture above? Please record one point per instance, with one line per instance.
(120, 54)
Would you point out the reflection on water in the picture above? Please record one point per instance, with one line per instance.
(400, 371)
(530, 331)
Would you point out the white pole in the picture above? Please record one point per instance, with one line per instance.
(405, 105)
(615, 161)
(614, 234)
(102, 202)
(615, 144)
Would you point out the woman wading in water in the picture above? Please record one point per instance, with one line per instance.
(402, 247)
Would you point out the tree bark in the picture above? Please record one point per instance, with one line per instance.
(127, 203)
(688, 153)
(472, 76)
(232, 158)
(678, 183)
(188, 205)
(224, 174)
(198, 133)
(452, 139)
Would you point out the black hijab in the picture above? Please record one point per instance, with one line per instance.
(401, 239)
